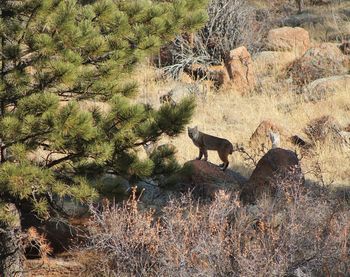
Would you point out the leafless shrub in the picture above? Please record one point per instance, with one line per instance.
(300, 238)
(251, 156)
(126, 239)
(323, 128)
(231, 23)
(295, 233)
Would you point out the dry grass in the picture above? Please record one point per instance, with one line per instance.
(235, 117)
(333, 23)
(227, 114)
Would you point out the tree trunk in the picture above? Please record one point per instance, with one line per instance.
(11, 249)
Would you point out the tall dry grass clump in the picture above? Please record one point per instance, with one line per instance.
(299, 232)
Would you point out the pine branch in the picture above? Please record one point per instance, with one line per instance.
(26, 60)
(27, 24)
(98, 59)
(149, 139)
(63, 159)
(23, 140)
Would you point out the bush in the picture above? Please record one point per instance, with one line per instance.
(231, 23)
(297, 233)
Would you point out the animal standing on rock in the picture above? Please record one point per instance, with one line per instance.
(207, 142)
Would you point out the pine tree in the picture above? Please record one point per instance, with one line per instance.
(54, 55)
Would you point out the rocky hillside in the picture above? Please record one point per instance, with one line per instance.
(278, 209)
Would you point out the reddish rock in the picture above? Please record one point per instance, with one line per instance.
(276, 165)
(318, 62)
(241, 70)
(261, 134)
(288, 39)
(204, 179)
(206, 172)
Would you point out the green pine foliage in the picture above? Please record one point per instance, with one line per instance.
(56, 53)
(164, 160)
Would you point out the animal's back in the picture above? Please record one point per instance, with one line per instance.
(214, 143)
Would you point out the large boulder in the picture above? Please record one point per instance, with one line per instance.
(237, 73)
(324, 87)
(204, 179)
(261, 134)
(60, 234)
(241, 70)
(276, 166)
(288, 39)
(318, 62)
(150, 193)
(111, 184)
(275, 61)
(176, 94)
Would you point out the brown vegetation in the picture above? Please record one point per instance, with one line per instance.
(322, 128)
(275, 237)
